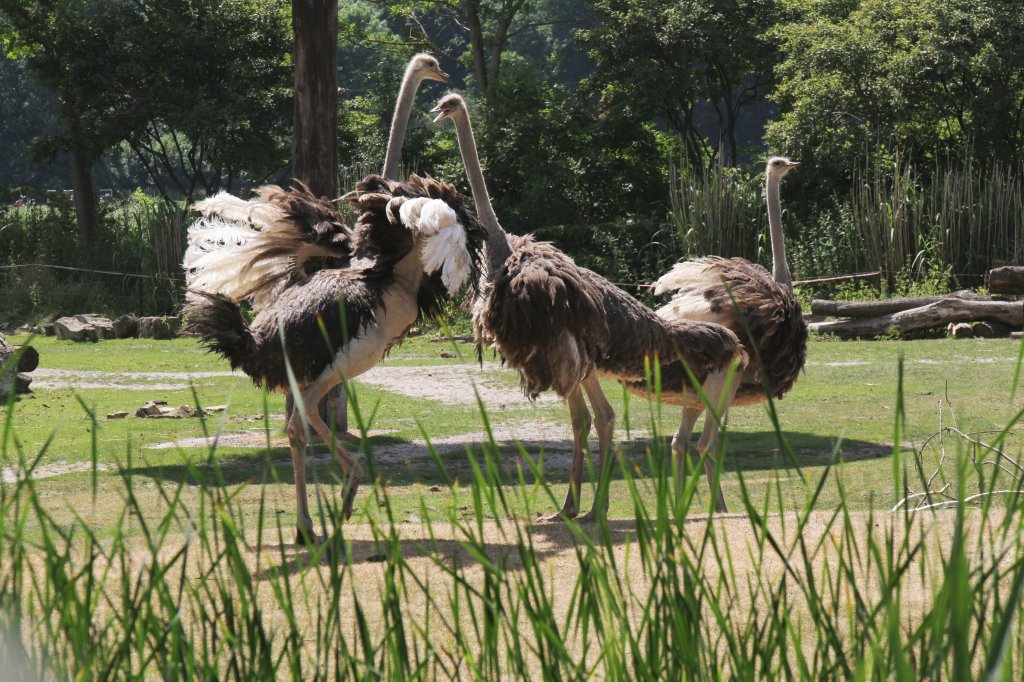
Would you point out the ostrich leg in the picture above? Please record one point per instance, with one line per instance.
(681, 442)
(719, 397)
(604, 421)
(580, 432)
(312, 396)
(303, 523)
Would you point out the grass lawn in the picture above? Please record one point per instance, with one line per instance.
(174, 557)
(841, 411)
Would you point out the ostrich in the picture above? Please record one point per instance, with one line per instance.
(405, 231)
(562, 326)
(237, 244)
(225, 242)
(766, 315)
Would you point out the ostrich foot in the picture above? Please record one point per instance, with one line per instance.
(305, 537)
(562, 516)
(589, 517)
(350, 497)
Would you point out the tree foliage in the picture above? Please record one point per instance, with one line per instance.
(924, 76)
(199, 89)
(664, 59)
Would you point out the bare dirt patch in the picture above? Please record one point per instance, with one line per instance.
(129, 381)
(450, 384)
(12, 474)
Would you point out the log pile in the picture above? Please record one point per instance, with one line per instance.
(1006, 280)
(869, 319)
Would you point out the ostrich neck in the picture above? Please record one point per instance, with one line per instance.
(399, 124)
(780, 268)
(498, 249)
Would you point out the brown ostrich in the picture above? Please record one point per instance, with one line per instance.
(762, 311)
(224, 243)
(364, 302)
(562, 326)
(249, 250)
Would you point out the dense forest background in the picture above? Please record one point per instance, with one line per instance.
(631, 132)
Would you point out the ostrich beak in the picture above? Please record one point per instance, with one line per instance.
(440, 75)
(792, 164)
(440, 115)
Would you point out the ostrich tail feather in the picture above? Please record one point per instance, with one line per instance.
(228, 207)
(682, 276)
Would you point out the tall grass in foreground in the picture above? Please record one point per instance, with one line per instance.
(195, 587)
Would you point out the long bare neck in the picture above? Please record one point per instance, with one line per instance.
(498, 249)
(400, 122)
(780, 268)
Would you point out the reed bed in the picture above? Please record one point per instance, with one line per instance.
(963, 216)
(955, 219)
(187, 582)
(718, 211)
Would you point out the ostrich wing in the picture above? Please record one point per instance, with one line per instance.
(744, 297)
(250, 250)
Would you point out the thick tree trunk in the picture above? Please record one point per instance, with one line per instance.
(85, 194)
(884, 307)
(938, 314)
(314, 145)
(314, 140)
(1006, 280)
(476, 46)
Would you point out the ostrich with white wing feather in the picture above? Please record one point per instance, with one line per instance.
(248, 250)
(757, 305)
(364, 305)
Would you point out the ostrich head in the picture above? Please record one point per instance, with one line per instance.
(449, 106)
(425, 66)
(778, 166)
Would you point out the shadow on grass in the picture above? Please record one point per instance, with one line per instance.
(551, 539)
(403, 462)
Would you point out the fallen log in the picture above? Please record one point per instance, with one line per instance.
(938, 314)
(885, 306)
(1006, 280)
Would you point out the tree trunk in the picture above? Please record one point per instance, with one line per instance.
(1006, 280)
(314, 145)
(938, 314)
(84, 193)
(314, 139)
(476, 46)
(884, 307)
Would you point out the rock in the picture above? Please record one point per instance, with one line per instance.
(126, 327)
(213, 409)
(447, 354)
(960, 330)
(50, 329)
(29, 359)
(991, 330)
(148, 410)
(84, 328)
(159, 327)
(177, 412)
(117, 415)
